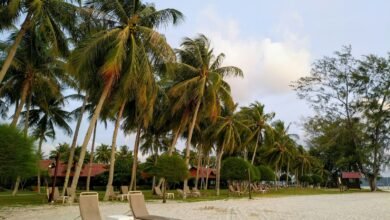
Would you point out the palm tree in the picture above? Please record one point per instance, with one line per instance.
(103, 154)
(78, 115)
(121, 53)
(227, 131)
(200, 81)
(50, 17)
(47, 114)
(34, 69)
(280, 146)
(256, 119)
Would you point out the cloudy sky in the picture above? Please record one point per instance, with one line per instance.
(274, 43)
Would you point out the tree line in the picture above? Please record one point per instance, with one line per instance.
(124, 72)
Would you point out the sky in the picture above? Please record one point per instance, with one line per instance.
(274, 43)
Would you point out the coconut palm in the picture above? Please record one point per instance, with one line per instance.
(51, 17)
(121, 54)
(47, 114)
(280, 146)
(34, 69)
(199, 81)
(227, 131)
(257, 120)
(103, 154)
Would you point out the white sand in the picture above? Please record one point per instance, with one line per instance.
(345, 206)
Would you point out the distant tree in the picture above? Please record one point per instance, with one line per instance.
(266, 172)
(316, 179)
(236, 168)
(103, 154)
(172, 168)
(17, 155)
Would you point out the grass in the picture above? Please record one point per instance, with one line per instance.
(32, 198)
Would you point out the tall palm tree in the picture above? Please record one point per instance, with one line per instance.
(33, 68)
(103, 154)
(51, 17)
(200, 81)
(280, 146)
(47, 114)
(257, 120)
(121, 54)
(228, 131)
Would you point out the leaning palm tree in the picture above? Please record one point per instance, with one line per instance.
(199, 82)
(227, 131)
(257, 120)
(51, 17)
(47, 114)
(33, 68)
(280, 146)
(120, 54)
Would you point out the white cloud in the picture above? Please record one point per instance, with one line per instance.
(269, 66)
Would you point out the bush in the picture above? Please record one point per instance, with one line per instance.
(17, 154)
(255, 173)
(306, 179)
(171, 168)
(235, 168)
(266, 173)
(316, 179)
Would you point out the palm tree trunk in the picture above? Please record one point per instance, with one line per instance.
(174, 141)
(288, 168)
(11, 54)
(207, 172)
(73, 146)
(164, 190)
(16, 187)
(188, 143)
(276, 168)
(25, 131)
(113, 152)
(23, 97)
(95, 116)
(154, 177)
(38, 165)
(133, 181)
(28, 104)
(198, 166)
(257, 143)
(218, 177)
(91, 157)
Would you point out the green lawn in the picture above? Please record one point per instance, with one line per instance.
(32, 198)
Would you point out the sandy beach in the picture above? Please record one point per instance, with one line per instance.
(345, 206)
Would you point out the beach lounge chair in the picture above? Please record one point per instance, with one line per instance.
(158, 192)
(56, 196)
(138, 207)
(233, 191)
(188, 192)
(181, 193)
(124, 191)
(196, 192)
(112, 195)
(89, 206)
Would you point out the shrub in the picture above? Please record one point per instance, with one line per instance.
(266, 173)
(316, 179)
(235, 168)
(171, 168)
(17, 154)
(306, 179)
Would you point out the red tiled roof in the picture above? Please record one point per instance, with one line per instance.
(203, 171)
(351, 175)
(96, 169)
